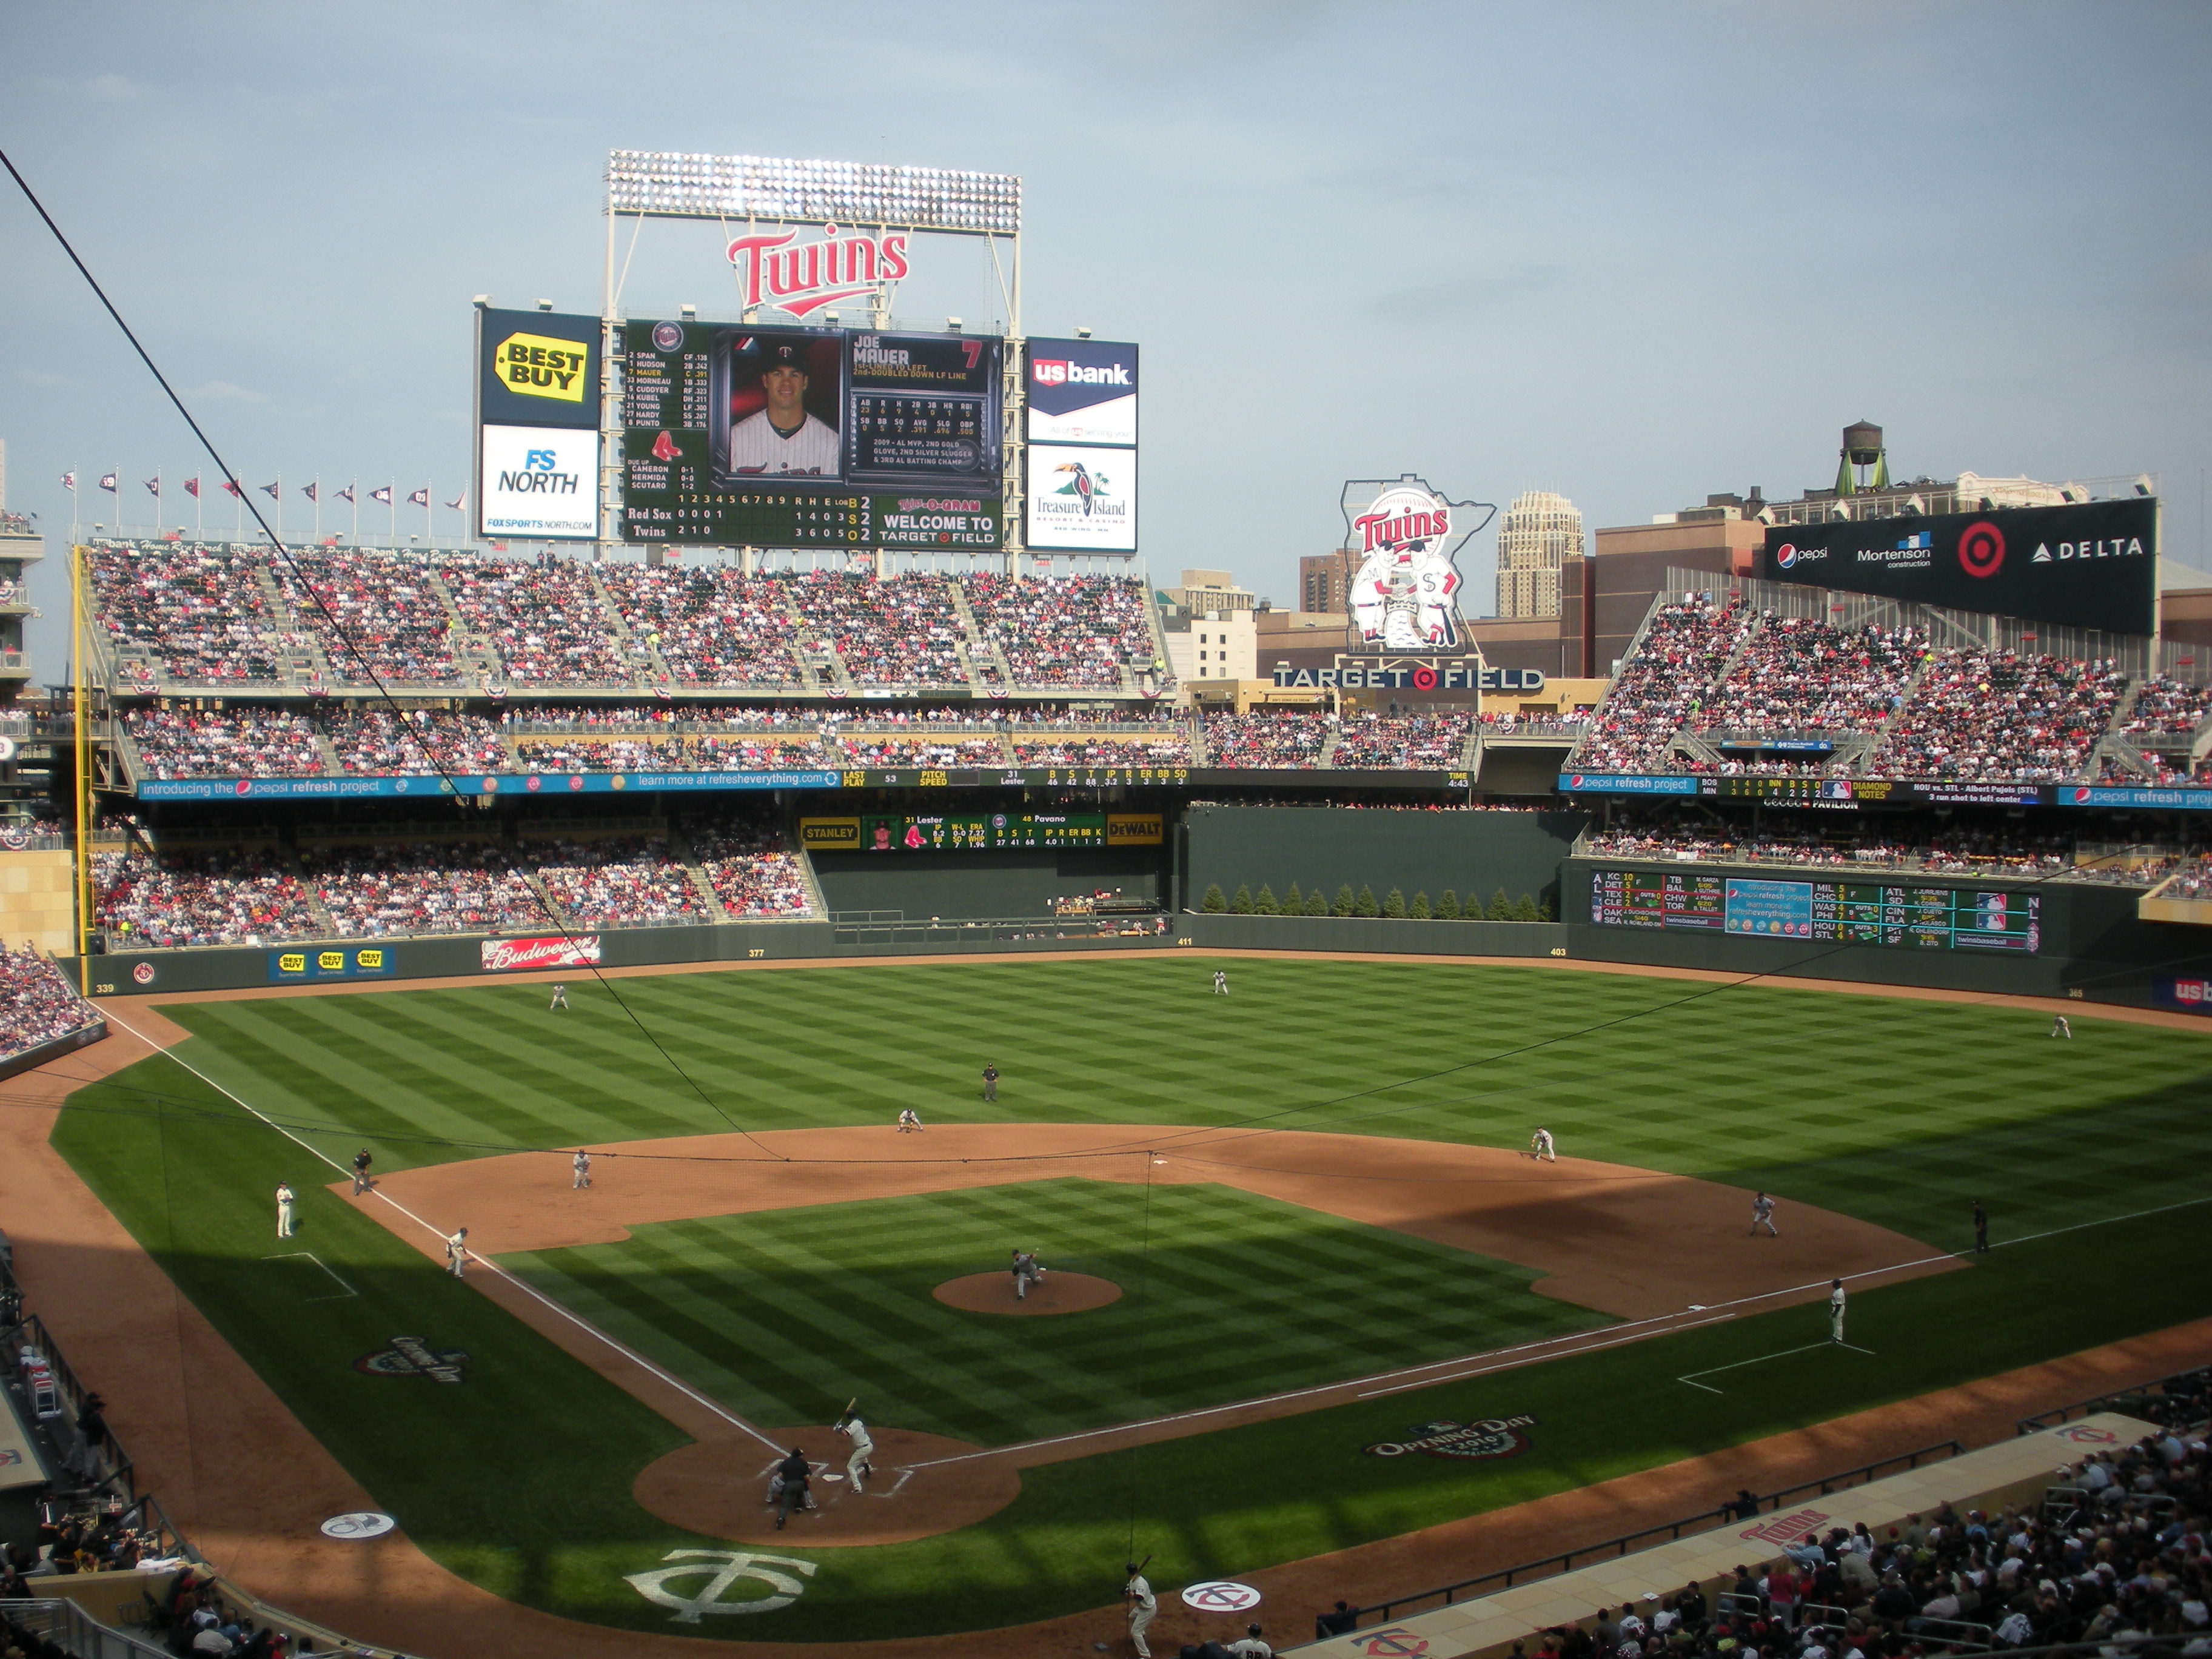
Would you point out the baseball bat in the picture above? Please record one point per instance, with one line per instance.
(849, 1404)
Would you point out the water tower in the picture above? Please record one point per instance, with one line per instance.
(1862, 449)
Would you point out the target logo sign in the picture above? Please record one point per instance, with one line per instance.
(1424, 679)
(1982, 549)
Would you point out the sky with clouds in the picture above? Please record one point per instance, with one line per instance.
(1635, 252)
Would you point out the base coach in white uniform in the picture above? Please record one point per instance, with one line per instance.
(784, 440)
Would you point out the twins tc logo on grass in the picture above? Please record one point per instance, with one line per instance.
(718, 1570)
(1493, 1436)
(411, 1356)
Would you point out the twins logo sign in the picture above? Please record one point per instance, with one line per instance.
(1406, 535)
(1491, 1437)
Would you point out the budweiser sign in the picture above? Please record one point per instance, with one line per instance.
(503, 956)
(1406, 536)
(800, 279)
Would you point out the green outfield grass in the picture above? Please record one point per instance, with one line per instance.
(1225, 1295)
(1897, 1111)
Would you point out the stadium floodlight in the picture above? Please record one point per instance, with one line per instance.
(677, 185)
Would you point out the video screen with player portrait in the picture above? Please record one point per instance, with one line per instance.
(781, 407)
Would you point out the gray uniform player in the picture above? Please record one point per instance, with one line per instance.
(560, 998)
(456, 1253)
(581, 1165)
(1762, 1215)
(864, 1446)
(1836, 1310)
(1026, 1273)
(1539, 1146)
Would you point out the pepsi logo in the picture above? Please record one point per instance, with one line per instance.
(2081, 796)
(1786, 555)
(1576, 781)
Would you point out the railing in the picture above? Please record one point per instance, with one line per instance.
(1505, 1577)
(2186, 1400)
(74, 1631)
(882, 927)
(104, 1466)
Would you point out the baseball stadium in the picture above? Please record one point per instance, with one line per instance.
(760, 1067)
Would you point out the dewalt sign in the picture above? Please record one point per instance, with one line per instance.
(1133, 830)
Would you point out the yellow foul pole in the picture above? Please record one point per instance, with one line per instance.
(83, 714)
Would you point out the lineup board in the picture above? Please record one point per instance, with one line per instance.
(981, 831)
(1924, 917)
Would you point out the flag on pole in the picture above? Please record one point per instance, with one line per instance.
(459, 502)
(107, 482)
(421, 497)
(308, 491)
(153, 486)
(192, 488)
(383, 495)
(230, 486)
(346, 494)
(271, 492)
(68, 482)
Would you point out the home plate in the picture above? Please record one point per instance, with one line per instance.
(1219, 1596)
(826, 1476)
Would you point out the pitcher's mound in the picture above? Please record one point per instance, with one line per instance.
(1055, 1293)
(719, 1487)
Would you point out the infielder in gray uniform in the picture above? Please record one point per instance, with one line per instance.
(863, 1447)
(1836, 1310)
(581, 1163)
(1026, 1273)
(1762, 1215)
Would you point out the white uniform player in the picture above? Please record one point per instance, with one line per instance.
(1143, 1604)
(1539, 1146)
(864, 1448)
(909, 1120)
(1221, 982)
(784, 440)
(283, 1210)
(456, 1253)
(1836, 1311)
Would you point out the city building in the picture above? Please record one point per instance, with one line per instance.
(1325, 581)
(1210, 626)
(1540, 533)
(1211, 590)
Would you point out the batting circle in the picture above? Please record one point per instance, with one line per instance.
(1982, 549)
(1220, 1596)
(362, 1523)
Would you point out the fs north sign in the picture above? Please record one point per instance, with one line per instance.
(2094, 564)
(1407, 537)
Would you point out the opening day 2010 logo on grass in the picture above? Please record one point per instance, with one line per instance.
(1493, 1436)
(411, 1356)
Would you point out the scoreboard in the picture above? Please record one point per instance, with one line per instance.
(897, 443)
(981, 831)
(1845, 913)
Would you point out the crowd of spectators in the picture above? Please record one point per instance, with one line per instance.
(543, 617)
(374, 740)
(897, 630)
(1795, 675)
(752, 871)
(1993, 715)
(620, 881)
(1927, 845)
(711, 627)
(2129, 1569)
(230, 895)
(198, 611)
(37, 1002)
(238, 741)
(1103, 751)
(1065, 630)
(423, 887)
(1275, 739)
(377, 616)
(1401, 742)
(1663, 684)
(2166, 708)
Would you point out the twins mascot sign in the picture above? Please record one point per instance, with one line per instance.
(1406, 536)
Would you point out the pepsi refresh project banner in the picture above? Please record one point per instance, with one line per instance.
(743, 436)
(2091, 565)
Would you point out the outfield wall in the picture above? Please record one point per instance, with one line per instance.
(2093, 945)
(1008, 882)
(1373, 935)
(1473, 854)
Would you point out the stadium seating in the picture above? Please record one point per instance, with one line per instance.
(37, 1003)
(544, 619)
(197, 614)
(623, 881)
(233, 895)
(752, 873)
(1989, 714)
(899, 630)
(1666, 678)
(1103, 751)
(710, 627)
(373, 740)
(238, 741)
(376, 616)
(1282, 739)
(1069, 631)
(1794, 676)
(379, 891)
(1402, 743)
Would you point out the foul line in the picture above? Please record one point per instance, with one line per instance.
(344, 1288)
(538, 1296)
(1761, 1360)
(1396, 1381)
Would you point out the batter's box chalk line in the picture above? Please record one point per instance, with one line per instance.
(1691, 1379)
(345, 1290)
